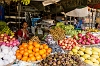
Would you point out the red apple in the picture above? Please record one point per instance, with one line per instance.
(13, 39)
(5, 38)
(2, 35)
(79, 35)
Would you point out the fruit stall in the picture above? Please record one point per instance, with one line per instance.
(63, 46)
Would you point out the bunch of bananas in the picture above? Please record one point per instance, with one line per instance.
(25, 2)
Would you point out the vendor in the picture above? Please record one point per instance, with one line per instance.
(23, 34)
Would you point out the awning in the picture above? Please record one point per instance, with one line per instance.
(77, 12)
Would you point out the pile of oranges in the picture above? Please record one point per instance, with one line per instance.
(32, 51)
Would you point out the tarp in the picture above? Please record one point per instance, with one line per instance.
(77, 12)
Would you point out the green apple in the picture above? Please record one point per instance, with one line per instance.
(94, 52)
(99, 54)
(74, 50)
(93, 59)
(88, 48)
(98, 60)
(88, 62)
(96, 49)
(82, 49)
(95, 64)
(71, 52)
(85, 56)
(82, 58)
(80, 52)
(95, 56)
(77, 47)
(88, 51)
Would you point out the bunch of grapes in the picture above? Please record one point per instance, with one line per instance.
(5, 29)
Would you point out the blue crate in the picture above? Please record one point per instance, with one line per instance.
(34, 20)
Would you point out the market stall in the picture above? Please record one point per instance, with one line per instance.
(63, 45)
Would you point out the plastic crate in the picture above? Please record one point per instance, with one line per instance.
(34, 20)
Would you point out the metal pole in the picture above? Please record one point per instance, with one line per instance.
(92, 20)
(19, 11)
(70, 20)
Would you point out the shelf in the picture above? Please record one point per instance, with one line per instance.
(15, 17)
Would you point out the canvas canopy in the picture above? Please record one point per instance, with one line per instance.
(77, 12)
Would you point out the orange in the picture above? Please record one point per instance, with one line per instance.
(25, 54)
(33, 58)
(28, 59)
(30, 43)
(31, 54)
(44, 50)
(38, 57)
(29, 51)
(45, 46)
(49, 50)
(17, 51)
(34, 43)
(35, 49)
(47, 54)
(37, 45)
(25, 49)
(22, 51)
(30, 47)
(21, 47)
(41, 52)
(24, 58)
(41, 47)
(18, 56)
(44, 56)
(36, 54)
(24, 45)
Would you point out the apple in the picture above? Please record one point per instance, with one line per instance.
(2, 35)
(5, 38)
(79, 35)
(13, 39)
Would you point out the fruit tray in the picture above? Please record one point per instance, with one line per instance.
(19, 62)
(61, 65)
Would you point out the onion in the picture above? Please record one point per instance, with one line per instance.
(14, 44)
(3, 43)
(87, 43)
(11, 42)
(83, 43)
(8, 44)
